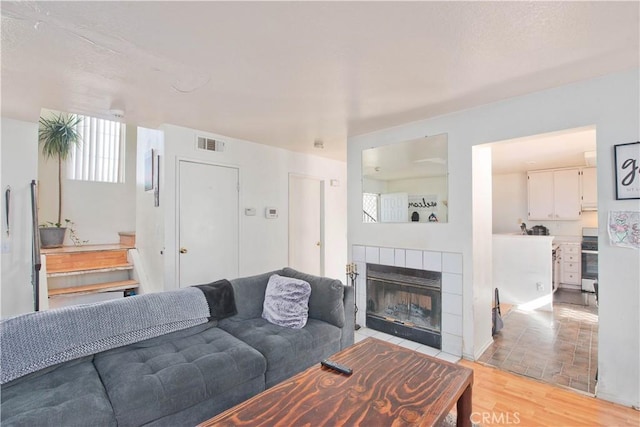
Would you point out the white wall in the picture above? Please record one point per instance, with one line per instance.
(482, 243)
(264, 181)
(150, 219)
(611, 103)
(510, 204)
(374, 186)
(520, 263)
(19, 151)
(99, 210)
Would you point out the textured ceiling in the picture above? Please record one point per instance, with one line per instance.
(288, 73)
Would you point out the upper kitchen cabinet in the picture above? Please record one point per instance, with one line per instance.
(589, 189)
(554, 195)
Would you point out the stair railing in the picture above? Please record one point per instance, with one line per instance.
(366, 217)
(35, 253)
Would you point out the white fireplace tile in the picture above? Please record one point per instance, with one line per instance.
(452, 263)
(395, 340)
(448, 357)
(360, 316)
(452, 283)
(387, 256)
(452, 344)
(362, 270)
(400, 258)
(367, 332)
(432, 261)
(452, 304)
(414, 259)
(372, 255)
(411, 345)
(452, 324)
(357, 253)
(429, 351)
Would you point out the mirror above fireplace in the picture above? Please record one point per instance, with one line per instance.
(406, 181)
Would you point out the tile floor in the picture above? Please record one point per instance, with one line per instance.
(559, 347)
(363, 333)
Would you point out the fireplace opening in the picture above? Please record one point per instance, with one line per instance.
(405, 302)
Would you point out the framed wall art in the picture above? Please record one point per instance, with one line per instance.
(156, 180)
(627, 164)
(149, 170)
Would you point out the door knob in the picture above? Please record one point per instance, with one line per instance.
(317, 243)
(183, 250)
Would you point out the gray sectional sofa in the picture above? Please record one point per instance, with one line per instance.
(154, 360)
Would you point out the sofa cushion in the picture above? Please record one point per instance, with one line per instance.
(249, 292)
(286, 302)
(164, 375)
(288, 351)
(327, 297)
(68, 394)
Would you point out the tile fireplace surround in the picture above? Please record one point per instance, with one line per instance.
(449, 264)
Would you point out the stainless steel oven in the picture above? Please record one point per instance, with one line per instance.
(589, 259)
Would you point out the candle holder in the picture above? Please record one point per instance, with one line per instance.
(352, 274)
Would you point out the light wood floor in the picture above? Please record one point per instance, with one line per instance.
(498, 396)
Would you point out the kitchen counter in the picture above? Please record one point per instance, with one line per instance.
(567, 239)
(526, 236)
(522, 270)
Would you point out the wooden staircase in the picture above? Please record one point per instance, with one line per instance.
(90, 269)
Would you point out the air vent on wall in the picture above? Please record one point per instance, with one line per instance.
(209, 144)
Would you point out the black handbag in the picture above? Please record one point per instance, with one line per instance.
(496, 316)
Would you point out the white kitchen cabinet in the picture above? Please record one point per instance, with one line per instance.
(570, 265)
(554, 195)
(589, 189)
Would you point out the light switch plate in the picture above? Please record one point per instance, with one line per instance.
(250, 211)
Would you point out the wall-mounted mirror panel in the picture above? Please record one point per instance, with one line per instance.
(406, 181)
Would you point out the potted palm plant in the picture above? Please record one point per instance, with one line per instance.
(57, 136)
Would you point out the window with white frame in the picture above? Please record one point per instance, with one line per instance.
(100, 155)
(370, 207)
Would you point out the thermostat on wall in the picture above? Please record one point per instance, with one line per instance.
(271, 213)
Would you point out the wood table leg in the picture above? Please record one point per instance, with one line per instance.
(464, 408)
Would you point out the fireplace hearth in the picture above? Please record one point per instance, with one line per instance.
(405, 302)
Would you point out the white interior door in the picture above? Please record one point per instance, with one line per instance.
(208, 239)
(305, 225)
(394, 207)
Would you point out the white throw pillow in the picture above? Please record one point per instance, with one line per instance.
(286, 302)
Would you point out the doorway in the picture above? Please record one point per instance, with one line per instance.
(306, 224)
(208, 222)
(559, 345)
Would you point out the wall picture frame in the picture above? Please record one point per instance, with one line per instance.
(627, 169)
(149, 170)
(156, 181)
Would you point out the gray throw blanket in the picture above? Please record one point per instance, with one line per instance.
(35, 341)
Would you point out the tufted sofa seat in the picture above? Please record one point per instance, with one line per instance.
(54, 396)
(173, 372)
(286, 351)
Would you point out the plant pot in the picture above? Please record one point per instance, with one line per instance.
(52, 237)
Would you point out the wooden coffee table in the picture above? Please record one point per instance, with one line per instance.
(390, 385)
